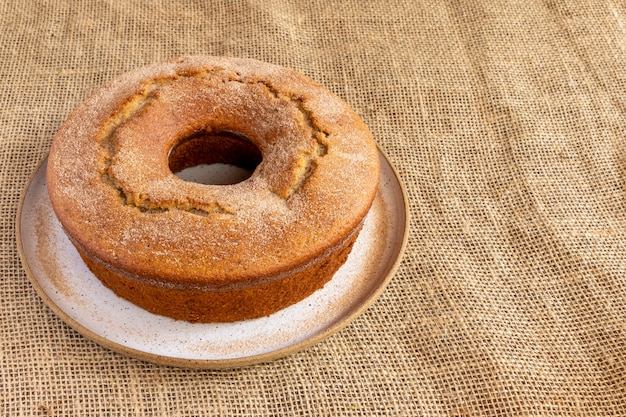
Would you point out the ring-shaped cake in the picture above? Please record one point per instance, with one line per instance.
(203, 252)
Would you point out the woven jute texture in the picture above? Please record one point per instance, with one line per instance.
(507, 123)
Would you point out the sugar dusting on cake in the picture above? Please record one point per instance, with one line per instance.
(98, 183)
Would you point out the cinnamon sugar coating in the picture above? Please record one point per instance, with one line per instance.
(112, 187)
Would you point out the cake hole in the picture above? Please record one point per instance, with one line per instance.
(220, 158)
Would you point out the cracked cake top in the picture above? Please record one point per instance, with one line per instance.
(113, 191)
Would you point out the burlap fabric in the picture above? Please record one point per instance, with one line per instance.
(506, 121)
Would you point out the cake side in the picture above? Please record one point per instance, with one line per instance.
(229, 305)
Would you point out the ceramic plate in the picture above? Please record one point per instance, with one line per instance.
(77, 296)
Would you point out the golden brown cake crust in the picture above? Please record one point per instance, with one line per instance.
(121, 205)
(227, 305)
